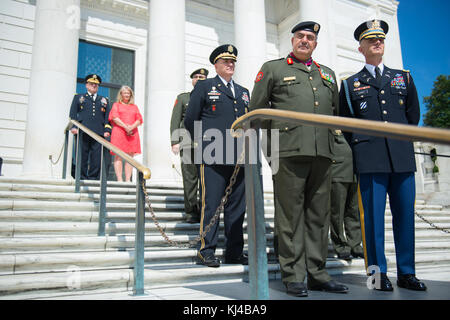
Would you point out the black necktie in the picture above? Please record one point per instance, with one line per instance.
(378, 74)
(229, 87)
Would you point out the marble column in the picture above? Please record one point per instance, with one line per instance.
(165, 80)
(52, 84)
(318, 11)
(250, 40)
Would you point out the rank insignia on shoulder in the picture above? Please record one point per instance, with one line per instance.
(289, 61)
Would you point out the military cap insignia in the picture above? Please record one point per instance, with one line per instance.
(259, 76)
(375, 24)
(230, 48)
(316, 27)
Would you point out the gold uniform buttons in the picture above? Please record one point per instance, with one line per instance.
(316, 103)
(383, 101)
(315, 89)
(310, 78)
(384, 112)
(382, 92)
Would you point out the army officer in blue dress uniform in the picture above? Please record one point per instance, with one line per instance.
(215, 103)
(91, 110)
(385, 166)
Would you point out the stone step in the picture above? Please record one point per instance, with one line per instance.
(33, 262)
(78, 197)
(77, 279)
(18, 228)
(11, 187)
(81, 206)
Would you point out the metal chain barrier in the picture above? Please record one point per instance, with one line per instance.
(50, 157)
(431, 223)
(193, 243)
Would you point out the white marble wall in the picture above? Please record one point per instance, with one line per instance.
(16, 39)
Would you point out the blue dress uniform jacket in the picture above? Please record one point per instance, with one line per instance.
(213, 103)
(92, 114)
(393, 100)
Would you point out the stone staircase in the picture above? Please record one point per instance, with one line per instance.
(49, 243)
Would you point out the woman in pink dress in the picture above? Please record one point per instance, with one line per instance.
(125, 118)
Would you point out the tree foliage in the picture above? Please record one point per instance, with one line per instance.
(438, 104)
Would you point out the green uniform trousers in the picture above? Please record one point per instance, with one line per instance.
(345, 216)
(302, 214)
(191, 188)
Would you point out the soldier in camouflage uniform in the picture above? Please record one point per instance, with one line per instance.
(188, 170)
(302, 183)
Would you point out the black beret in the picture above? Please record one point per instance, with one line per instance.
(308, 26)
(371, 29)
(202, 71)
(93, 78)
(225, 51)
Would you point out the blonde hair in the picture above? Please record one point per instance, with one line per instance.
(119, 95)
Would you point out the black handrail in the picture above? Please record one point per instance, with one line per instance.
(143, 174)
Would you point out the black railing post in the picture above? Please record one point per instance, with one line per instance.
(66, 147)
(257, 255)
(78, 161)
(103, 185)
(139, 241)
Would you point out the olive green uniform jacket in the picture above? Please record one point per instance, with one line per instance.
(303, 181)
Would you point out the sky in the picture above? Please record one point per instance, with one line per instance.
(424, 27)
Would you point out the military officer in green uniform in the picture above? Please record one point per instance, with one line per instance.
(303, 180)
(344, 202)
(188, 170)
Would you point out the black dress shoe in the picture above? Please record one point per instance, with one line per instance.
(330, 286)
(358, 255)
(209, 261)
(345, 256)
(409, 281)
(242, 259)
(192, 219)
(385, 284)
(297, 289)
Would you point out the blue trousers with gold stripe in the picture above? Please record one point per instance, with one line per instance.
(213, 181)
(401, 189)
